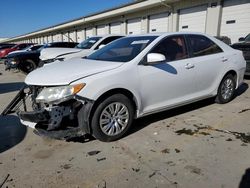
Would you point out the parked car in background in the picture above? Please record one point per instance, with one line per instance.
(244, 46)
(29, 48)
(6, 51)
(224, 39)
(129, 78)
(83, 49)
(6, 45)
(28, 61)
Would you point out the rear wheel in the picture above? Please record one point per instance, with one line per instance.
(112, 118)
(226, 89)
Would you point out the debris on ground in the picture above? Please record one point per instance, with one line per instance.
(102, 184)
(71, 158)
(165, 150)
(136, 169)
(4, 181)
(244, 110)
(66, 166)
(186, 131)
(151, 175)
(193, 169)
(101, 159)
(177, 150)
(92, 153)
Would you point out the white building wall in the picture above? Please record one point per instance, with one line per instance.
(212, 19)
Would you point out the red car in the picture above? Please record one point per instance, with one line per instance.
(6, 51)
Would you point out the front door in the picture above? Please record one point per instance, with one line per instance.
(167, 83)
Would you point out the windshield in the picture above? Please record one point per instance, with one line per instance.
(88, 43)
(28, 47)
(247, 38)
(122, 50)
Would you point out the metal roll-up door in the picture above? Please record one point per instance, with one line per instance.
(89, 32)
(235, 19)
(159, 22)
(115, 28)
(80, 35)
(193, 19)
(134, 26)
(100, 30)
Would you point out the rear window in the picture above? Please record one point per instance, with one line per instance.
(201, 45)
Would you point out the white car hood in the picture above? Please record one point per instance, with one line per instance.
(63, 73)
(51, 53)
(82, 53)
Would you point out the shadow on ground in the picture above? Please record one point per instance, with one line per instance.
(245, 180)
(241, 89)
(10, 87)
(12, 132)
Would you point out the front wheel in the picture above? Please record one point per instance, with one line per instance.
(28, 66)
(226, 89)
(112, 118)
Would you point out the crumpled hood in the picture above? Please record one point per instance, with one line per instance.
(63, 73)
(51, 53)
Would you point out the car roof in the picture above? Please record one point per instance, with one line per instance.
(168, 33)
(108, 35)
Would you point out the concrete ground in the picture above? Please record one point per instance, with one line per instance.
(201, 145)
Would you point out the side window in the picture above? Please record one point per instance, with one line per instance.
(173, 48)
(201, 45)
(108, 40)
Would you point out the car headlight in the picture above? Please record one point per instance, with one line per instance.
(58, 94)
(13, 61)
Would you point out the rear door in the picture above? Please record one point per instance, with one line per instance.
(208, 60)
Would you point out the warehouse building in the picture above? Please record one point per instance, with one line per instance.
(215, 17)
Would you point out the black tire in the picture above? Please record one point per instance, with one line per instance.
(28, 66)
(115, 99)
(221, 98)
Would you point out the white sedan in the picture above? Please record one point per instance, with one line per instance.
(83, 49)
(132, 77)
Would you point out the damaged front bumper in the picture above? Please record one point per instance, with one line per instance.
(61, 121)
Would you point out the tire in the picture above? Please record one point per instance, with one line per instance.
(28, 66)
(107, 128)
(226, 90)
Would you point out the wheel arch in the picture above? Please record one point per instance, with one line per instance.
(123, 91)
(234, 74)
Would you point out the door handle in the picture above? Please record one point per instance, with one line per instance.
(224, 59)
(189, 66)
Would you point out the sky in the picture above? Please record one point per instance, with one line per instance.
(18, 17)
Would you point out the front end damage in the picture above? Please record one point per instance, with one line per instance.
(60, 120)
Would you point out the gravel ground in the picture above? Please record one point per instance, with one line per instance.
(200, 145)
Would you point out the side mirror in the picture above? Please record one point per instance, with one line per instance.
(241, 39)
(101, 46)
(153, 58)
